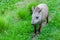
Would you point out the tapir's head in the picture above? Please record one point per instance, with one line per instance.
(36, 15)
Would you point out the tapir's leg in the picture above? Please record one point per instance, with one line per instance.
(47, 19)
(40, 25)
(34, 29)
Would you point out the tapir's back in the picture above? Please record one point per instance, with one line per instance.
(44, 11)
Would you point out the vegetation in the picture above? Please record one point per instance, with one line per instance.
(15, 20)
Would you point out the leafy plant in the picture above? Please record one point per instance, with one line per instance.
(3, 24)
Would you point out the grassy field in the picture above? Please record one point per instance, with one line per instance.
(15, 20)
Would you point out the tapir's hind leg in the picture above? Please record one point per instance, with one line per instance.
(47, 19)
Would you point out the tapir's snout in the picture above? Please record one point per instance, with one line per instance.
(32, 22)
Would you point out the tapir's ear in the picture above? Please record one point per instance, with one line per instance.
(40, 10)
(33, 8)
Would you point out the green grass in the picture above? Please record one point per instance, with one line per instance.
(15, 20)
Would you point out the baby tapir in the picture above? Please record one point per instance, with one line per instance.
(39, 14)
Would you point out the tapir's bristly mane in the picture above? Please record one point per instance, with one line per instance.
(37, 9)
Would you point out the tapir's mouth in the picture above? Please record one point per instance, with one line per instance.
(33, 23)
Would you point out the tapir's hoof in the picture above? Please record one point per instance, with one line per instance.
(38, 32)
(33, 35)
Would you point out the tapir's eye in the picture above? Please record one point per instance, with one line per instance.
(37, 17)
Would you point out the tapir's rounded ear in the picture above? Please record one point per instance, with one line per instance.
(33, 8)
(40, 10)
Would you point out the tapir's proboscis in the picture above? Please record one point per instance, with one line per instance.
(39, 14)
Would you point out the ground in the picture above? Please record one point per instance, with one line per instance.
(15, 20)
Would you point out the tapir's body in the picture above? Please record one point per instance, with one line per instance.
(40, 13)
(44, 12)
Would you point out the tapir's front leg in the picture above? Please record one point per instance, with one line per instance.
(34, 29)
(40, 25)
